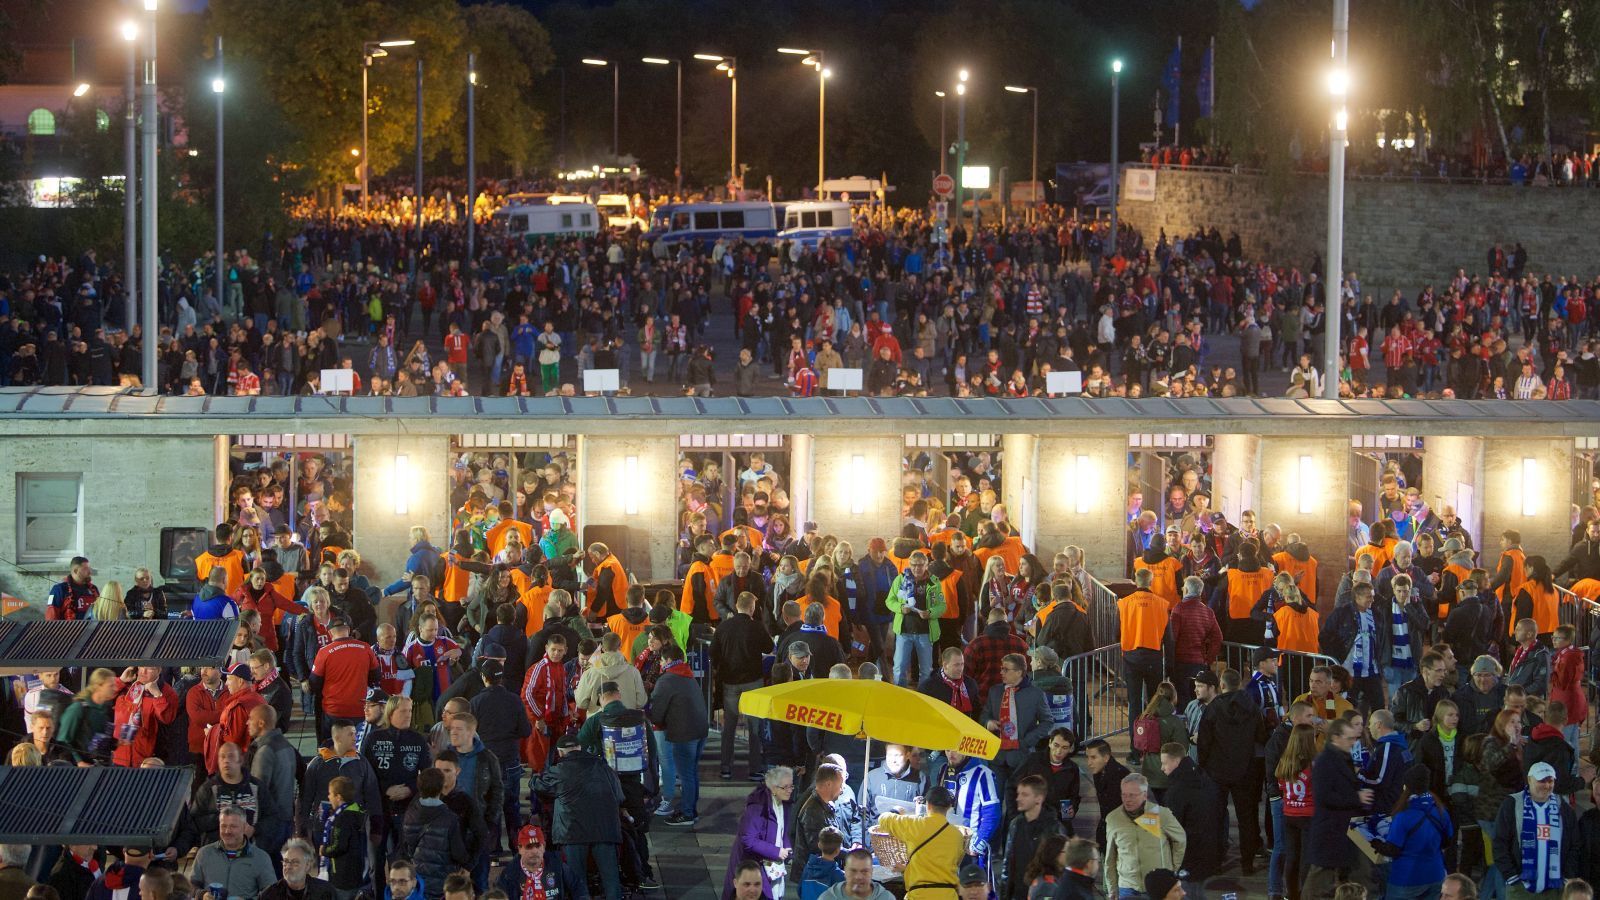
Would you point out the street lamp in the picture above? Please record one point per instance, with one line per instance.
(814, 59)
(370, 51)
(1016, 89)
(677, 166)
(943, 150)
(218, 87)
(130, 203)
(616, 97)
(1116, 70)
(147, 151)
(961, 147)
(1333, 302)
(729, 65)
(81, 89)
(472, 154)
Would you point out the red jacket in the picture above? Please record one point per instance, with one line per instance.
(1566, 683)
(147, 713)
(204, 709)
(1196, 637)
(233, 725)
(269, 603)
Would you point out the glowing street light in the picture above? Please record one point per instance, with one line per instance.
(814, 59)
(81, 89)
(678, 165)
(616, 98)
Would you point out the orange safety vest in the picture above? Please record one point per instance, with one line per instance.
(628, 631)
(1462, 573)
(951, 585)
(456, 581)
(1244, 589)
(942, 537)
(1298, 630)
(1144, 621)
(533, 600)
(330, 554)
(285, 588)
(1588, 589)
(686, 604)
(496, 538)
(232, 563)
(832, 613)
(1519, 574)
(1303, 573)
(721, 567)
(1163, 577)
(521, 580)
(900, 563)
(619, 586)
(752, 536)
(1546, 607)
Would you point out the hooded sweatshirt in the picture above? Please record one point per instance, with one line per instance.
(610, 667)
(628, 625)
(214, 603)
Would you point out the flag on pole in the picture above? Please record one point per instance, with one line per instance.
(1172, 84)
(1207, 85)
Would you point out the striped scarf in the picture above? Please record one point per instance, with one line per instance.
(1402, 640)
(1541, 844)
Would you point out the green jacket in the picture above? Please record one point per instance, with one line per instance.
(589, 734)
(935, 602)
(82, 722)
(679, 622)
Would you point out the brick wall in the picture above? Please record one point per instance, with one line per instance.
(1398, 234)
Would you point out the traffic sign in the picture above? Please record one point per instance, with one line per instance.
(944, 185)
(941, 211)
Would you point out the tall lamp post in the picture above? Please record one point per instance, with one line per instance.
(218, 87)
(1017, 89)
(678, 165)
(616, 98)
(130, 200)
(147, 152)
(1116, 70)
(472, 153)
(944, 150)
(961, 148)
(370, 51)
(730, 65)
(814, 59)
(1333, 303)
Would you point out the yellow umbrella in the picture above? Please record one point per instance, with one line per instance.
(874, 710)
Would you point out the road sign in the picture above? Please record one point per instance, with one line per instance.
(941, 211)
(944, 185)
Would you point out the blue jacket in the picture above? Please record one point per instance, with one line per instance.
(212, 603)
(825, 872)
(424, 560)
(559, 882)
(1421, 830)
(1386, 769)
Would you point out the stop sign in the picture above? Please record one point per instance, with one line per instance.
(944, 185)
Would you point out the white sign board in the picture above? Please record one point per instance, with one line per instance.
(338, 381)
(941, 211)
(1058, 383)
(601, 380)
(1140, 185)
(975, 177)
(844, 379)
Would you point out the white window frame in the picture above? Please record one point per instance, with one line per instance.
(26, 556)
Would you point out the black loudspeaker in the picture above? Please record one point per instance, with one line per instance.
(620, 539)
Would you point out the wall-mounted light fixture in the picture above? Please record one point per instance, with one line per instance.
(858, 485)
(401, 485)
(1530, 486)
(1307, 485)
(630, 485)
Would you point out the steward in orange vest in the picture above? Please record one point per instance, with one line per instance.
(230, 558)
(700, 587)
(632, 621)
(607, 588)
(1538, 598)
(1457, 568)
(1237, 594)
(1512, 570)
(1166, 571)
(1296, 559)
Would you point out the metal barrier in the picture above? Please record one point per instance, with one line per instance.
(1105, 620)
(1294, 667)
(1100, 694)
(1584, 616)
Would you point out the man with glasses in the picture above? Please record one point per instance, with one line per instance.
(1414, 701)
(1082, 873)
(297, 883)
(916, 600)
(858, 883)
(403, 883)
(1340, 796)
(1016, 711)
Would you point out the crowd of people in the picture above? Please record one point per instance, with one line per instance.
(993, 313)
(515, 713)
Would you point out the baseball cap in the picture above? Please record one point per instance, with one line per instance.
(377, 695)
(1207, 677)
(1045, 655)
(568, 741)
(799, 649)
(491, 668)
(878, 543)
(1160, 882)
(241, 670)
(1215, 519)
(491, 650)
(972, 873)
(528, 834)
(1542, 771)
(1261, 655)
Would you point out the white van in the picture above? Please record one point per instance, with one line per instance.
(616, 208)
(536, 221)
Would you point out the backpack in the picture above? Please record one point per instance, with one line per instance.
(1147, 734)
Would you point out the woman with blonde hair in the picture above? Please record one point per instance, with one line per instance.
(110, 605)
(26, 755)
(85, 727)
(994, 591)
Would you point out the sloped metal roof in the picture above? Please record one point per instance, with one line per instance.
(115, 644)
(105, 404)
(109, 805)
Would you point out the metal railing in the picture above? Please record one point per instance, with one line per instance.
(1584, 617)
(1105, 620)
(1294, 667)
(1099, 692)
